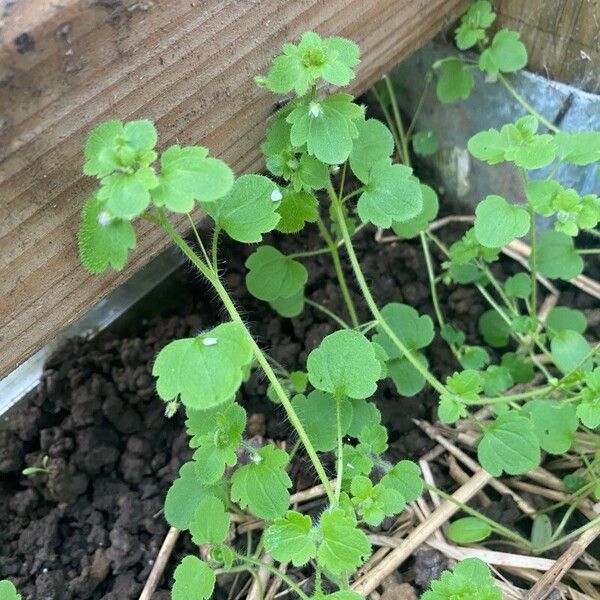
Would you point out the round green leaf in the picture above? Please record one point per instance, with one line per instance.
(189, 174)
(569, 350)
(103, 240)
(425, 143)
(272, 275)
(184, 495)
(210, 523)
(263, 484)
(411, 227)
(344, 365)
(414, 331)
(8, 591)
(494, 329)
(408, 381)
(206, 370)
(289, 307)
(289, 539)
(468, 530)
(497, 222)
(557, 257)
(344, 547)
(194, 580)
(317, 413)
(455, 80)
(554, 423)
(373, 144)
(390, 195)
(248, 210)
(518, 286)
(405, 477)
(564, 317)
(296, 209)
(506, 54)
(509, 445)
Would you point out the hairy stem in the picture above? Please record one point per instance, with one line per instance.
(366, 292)
(497, 527)
(513, 92)
(215, 249)
(255, 562)
(434, 295)
(340, 450)
(565, 538)
(258, 353)
(398, 120)
(390, 122)
(533, 263)
(337, 265)
(328, 312)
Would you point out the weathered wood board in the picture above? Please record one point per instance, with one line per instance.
(562, 37)
(189, 65)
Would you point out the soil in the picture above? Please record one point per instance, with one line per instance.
(91, 526)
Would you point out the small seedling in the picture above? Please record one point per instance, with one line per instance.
(43, 468)
(469, 580)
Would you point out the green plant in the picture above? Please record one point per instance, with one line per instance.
(312, 144)
(43, 468)
(469, 580)
(8, 591)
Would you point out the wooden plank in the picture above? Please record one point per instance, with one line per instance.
(562, 37)
(66, 65)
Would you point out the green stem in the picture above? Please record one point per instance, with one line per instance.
(328, 312)
(533, 262)
(498, 287)
(309, 253)
(434, 295)
(573, 534)
(513, 92)
(215, 248)
(274, 570)
(497, 527)
(589, 251)
(431, 274)
(340, 450)
(319, 251)
(563, 522)
(390, 122)
(366, 292)
(258, 354)
(198, 239)
(522, 396)
(413, 121)
(353, 194)
(337, 265)
(398, 120)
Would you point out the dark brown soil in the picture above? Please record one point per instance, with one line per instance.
(91, 527)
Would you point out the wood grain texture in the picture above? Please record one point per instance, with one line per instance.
(66, 65)
(562, 37)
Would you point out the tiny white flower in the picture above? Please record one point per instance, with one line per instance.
(104, 218)
(314, 109)
(276, 195)
(209, 341)
(170, 409)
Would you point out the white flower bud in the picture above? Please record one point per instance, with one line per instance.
(104, 218)
(314, 109)
(170, 409)
(209, 341)
(276, 195)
